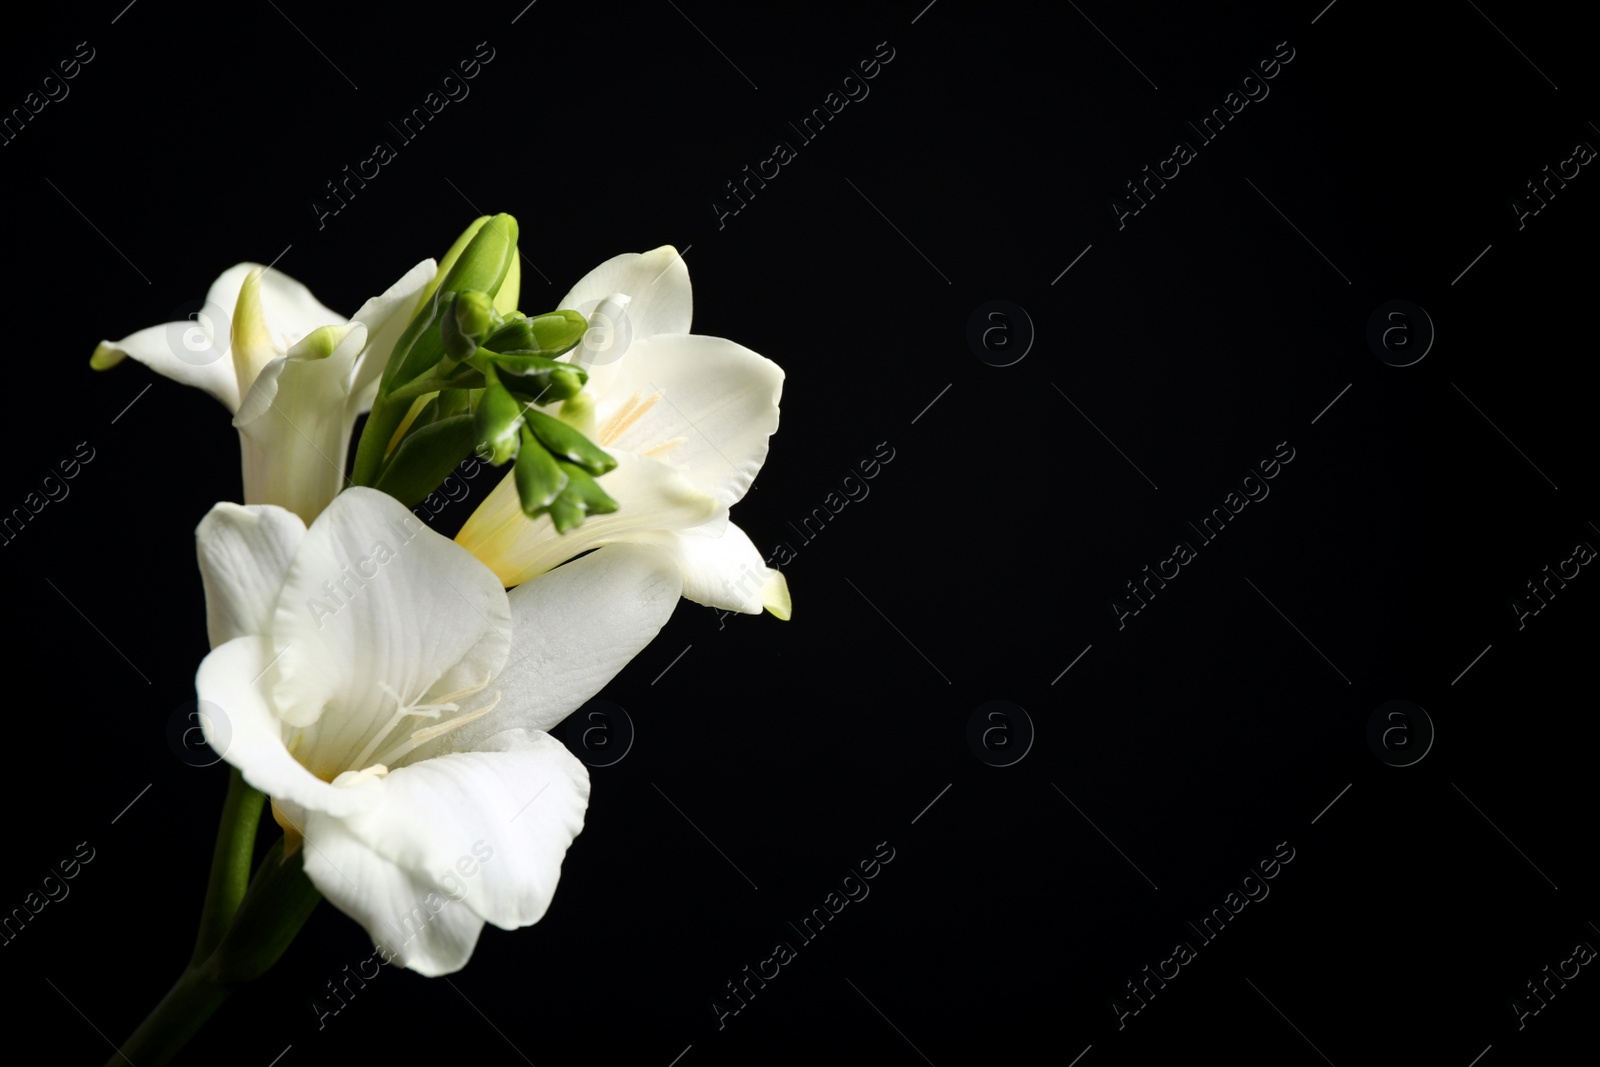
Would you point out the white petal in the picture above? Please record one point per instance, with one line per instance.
(186, 352)
(196, 351)
(410, 921)
(651, 496)
(239, 724)
(724, 570)
(705, 405)
(378, 609)
(386, 317)
(295, 429)
(656, 281)
(485, 832)
(573, 630)
(244, 555)
(290, 309)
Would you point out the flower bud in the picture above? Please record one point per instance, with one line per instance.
(540, 379)
(539, 480)
(485, 262)
(463, 327)
(499, 417)
(457, 250)
(548, 335)
(568, 443)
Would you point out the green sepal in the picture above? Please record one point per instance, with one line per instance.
(426, 458)
(540, 479)
(568, 443)
(420, 348)
(455, 402)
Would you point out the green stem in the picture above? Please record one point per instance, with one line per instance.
(230, 863)
(381, 425)
(277, 904)
(174, 1021)
(434, 382)
(280, 900)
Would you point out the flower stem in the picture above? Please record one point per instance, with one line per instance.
(381, 424)
(230, 863)
(276, 905)
(280, 900)
(174, 1021)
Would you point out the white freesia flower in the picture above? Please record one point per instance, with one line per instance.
(294, 374)
(386, 692)
(687, 417)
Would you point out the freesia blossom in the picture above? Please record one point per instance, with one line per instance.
(294, 374)
(393, 700)
(687, 418)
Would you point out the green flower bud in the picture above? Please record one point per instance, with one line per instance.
(585, 492)
(470, 318)
(499, 417)
(485, 262)
(568, 443)
(565, 514)
(541, 379)
(546, 335)
(448, 260)
(581, 498)
(539, 480)
(505, 301)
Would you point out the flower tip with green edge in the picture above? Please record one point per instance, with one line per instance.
(105, 357)
(322, 342)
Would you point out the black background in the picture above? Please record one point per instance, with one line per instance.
(1177, 751)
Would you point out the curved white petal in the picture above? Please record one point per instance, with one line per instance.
(705, 405)
(657, 283)
(724, 570)
(386, 317)
(188, 353)
(575, 628)
(485, 832)
(408, 918)
(377, 610)
(290, 310)
(651, 496)
(239, 724)
(295, 426)
(244, 555)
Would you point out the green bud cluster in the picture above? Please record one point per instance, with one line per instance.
(470, 373)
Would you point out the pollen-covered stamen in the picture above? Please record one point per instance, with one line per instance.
(429, 733)
(625, 416)
(657, 451)
(377, 770)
